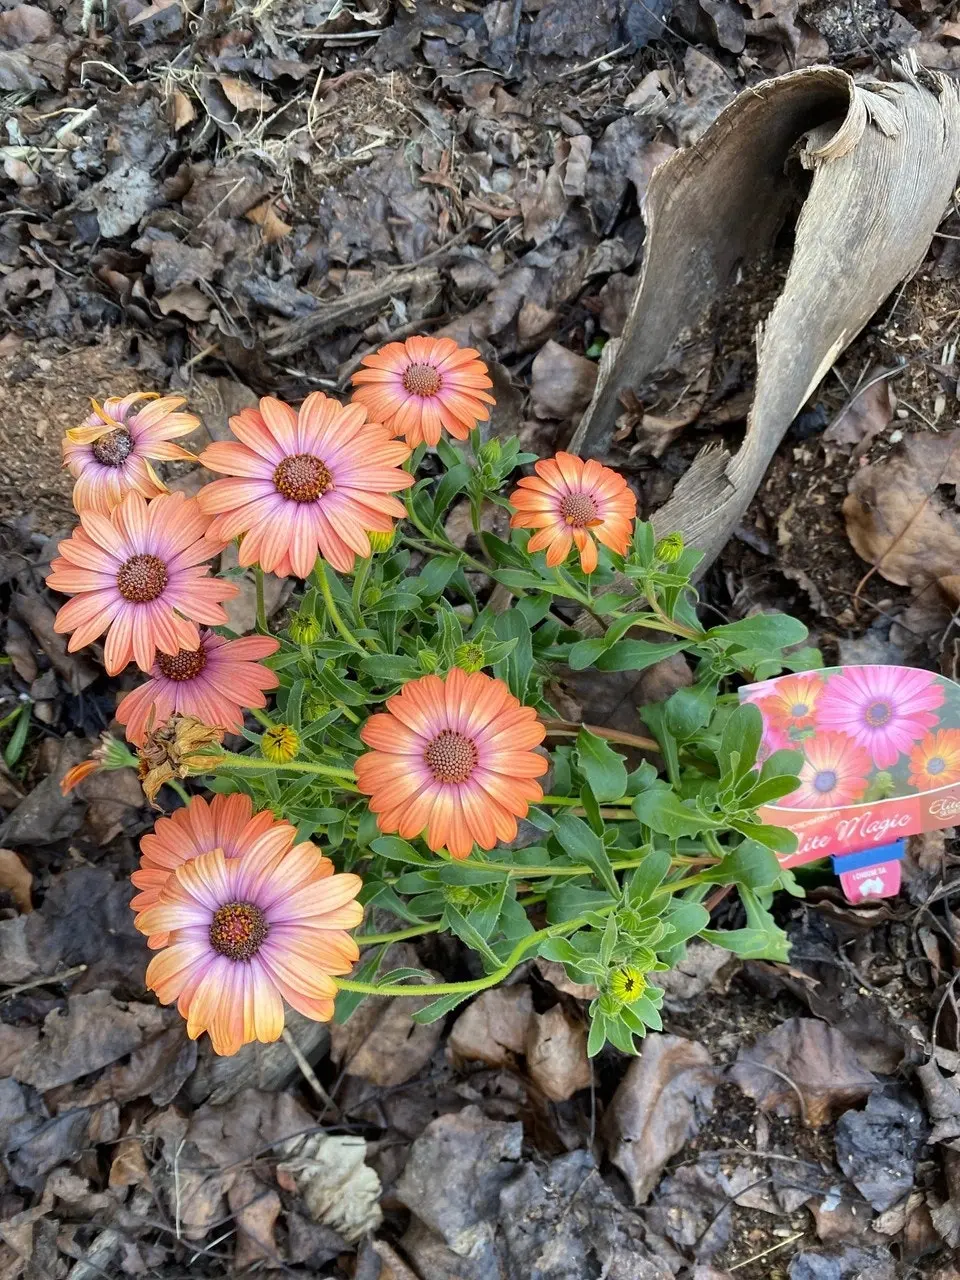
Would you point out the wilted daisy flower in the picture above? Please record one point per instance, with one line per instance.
(247, 933)
(110, 455)
(212, 682)
(569, 502)
(452, 758)
(423, 385)
(138, 575)
(320, 479)
(226, 822)
(181, 746)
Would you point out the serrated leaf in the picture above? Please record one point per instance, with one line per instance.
(584, 845)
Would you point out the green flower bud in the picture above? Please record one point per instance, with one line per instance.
(458, 895)
(609, 1005)
(381, 542)
(304, 629)
(372, 595)
(315, 707)
(627, 984)
(669, 549)
(469, 657)
(428, 659)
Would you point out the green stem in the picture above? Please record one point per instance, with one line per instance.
(400, 935)
(359, 582)
(261, 717)
(713, 844)
(261, 601)
(478, 984)
(334, 613)
(227, 760)
(174, 785)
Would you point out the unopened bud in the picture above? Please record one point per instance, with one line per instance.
(669, 549)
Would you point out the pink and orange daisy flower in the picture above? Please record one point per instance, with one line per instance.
(246, 934)
(301, 483)
(572, 502)
(138, 575)
(423, 386)
(453, 758)
(110, 455)
(225, 822)
(212, 683)
(791, 701)
(885, 709)
(935, 761)
(834, 772)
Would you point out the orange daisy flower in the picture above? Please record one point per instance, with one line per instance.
(452, 757)
(247, 933)
(935, 762)
(420, 386)
(790, 701)
(320, 479)
(138, 575)
(571, 501)
(212, 683)
(110, 455)
(225, 822)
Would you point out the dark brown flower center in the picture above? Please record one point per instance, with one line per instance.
(186, 664)
(578, 510)
(141, 579)
(451, 756)
(422, 380)
(113, 449)
(302, 478)
(238, 930)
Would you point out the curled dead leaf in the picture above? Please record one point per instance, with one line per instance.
(272, 226)
(243, 96)
(557, 1054)
(15, 880)
(900, 516)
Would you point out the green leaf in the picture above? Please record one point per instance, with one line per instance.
(398, 850)
(662, 810)
(636, 655)
(347, 1001)
(651, 872)
(772, 790)
(763, 631)
(439, 1008)
(781, 839)
(688, 710)
(435, 575)
(603, 767)
(751, 944)
(516, 668)
(454, 482)
(585, 652)
(465, 931)
(583, 845)
(751, 865)
(686, 918)
(390, 668)
(18, 739)
(598, 1035)
(740, 742)
(781, 764)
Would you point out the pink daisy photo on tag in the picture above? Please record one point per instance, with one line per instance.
(884, 709)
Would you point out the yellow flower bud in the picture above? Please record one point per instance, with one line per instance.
(280, 743)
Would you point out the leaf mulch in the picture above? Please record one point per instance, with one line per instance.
(244, 198)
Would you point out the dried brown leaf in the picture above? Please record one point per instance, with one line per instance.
(899, 519)
(865, 416)
(803, 1068)
(243, 96)
(25, 24)
(658, 1106)
(15, 880)
(182, 110)
(557, 1054)
(185, 300)
(493, 1029)
(272, 226)
(561, 382)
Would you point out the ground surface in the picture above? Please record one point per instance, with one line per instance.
(237, 199)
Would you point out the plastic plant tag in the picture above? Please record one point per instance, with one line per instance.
(881, 752)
